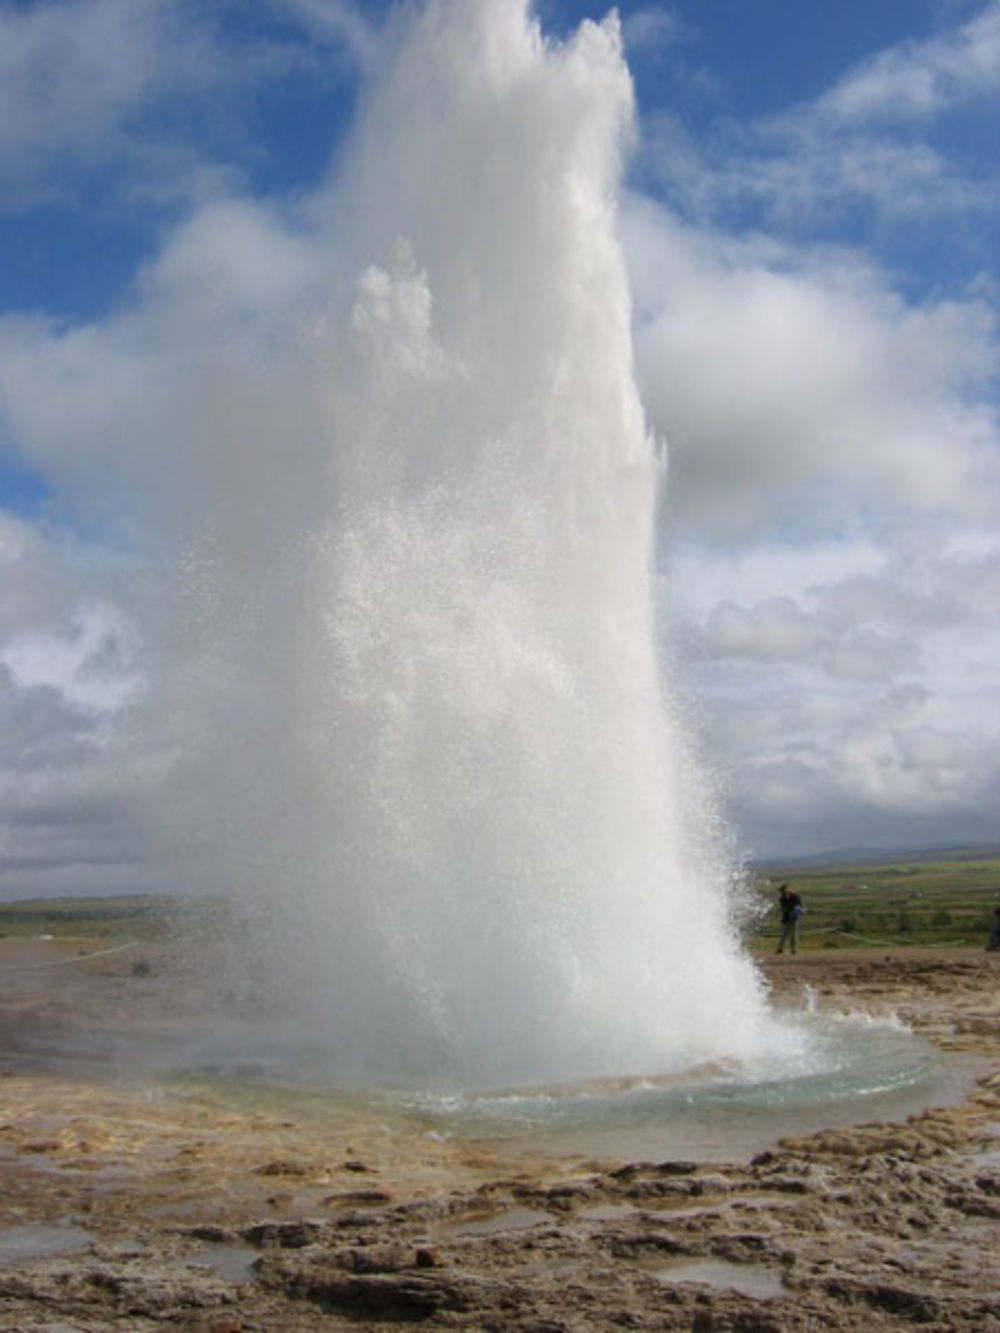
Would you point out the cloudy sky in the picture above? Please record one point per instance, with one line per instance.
(810, 221)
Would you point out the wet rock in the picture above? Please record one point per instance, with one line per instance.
(561, 1198)
(292, 1235)
(631, 1169)
(664, 1189)
(389, 1296)
(678, 1168)
(971, 1203)
(710, 1184)
(788, 1185)
(352, 1218)
(359, 1198)
(918, 1307)
(765, 1158)
(155, 1291)
(628, 1246)
(214, 1235)
(381, 1259)
(281, 1168)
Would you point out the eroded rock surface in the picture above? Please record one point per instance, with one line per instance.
(127, 1207)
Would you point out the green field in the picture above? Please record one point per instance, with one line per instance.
(917, 903)
(143, 917)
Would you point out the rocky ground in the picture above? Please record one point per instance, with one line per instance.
(128, 1206)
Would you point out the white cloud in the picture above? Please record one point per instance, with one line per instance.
(652, 29)
(879, 142)
(124, 417)
(150, 90)
(69, 72)
(88, 660)
(784, 379)
(74, 782)
(921, 78)
(76, 74)
(338, 23)
(851, 706)
(780, 630)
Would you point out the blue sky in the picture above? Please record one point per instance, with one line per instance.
(272, 92)
(810, 222)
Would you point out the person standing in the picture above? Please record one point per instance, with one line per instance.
(791, 909)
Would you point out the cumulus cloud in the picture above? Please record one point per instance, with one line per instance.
(92, 87)
(74, 783)
(850, 762)
(779, 630)
(75, 79)
(855, 704)
(774, 372)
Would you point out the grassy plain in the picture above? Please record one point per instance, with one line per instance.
(907, 902)
(140, 917)
(916, 902)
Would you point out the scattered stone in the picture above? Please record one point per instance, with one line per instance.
(378, 1295)
(677, 1168)
(281, 1168)
(214, 1235)
(282, 1235)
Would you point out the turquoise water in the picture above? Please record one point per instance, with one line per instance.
(856, 1069)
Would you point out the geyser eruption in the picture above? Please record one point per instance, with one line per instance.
(451, 797)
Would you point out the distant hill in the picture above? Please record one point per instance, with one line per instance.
(880, 856)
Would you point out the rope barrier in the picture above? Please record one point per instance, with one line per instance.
(867, 939)
(899, 939)
(65, 962)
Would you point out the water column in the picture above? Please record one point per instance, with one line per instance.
(475, 845)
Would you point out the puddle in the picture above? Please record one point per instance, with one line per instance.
(514, 1219)
(18, 1244)
(232, 1261)
(186, 1211)
(748, 1279)
(608, 1212)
